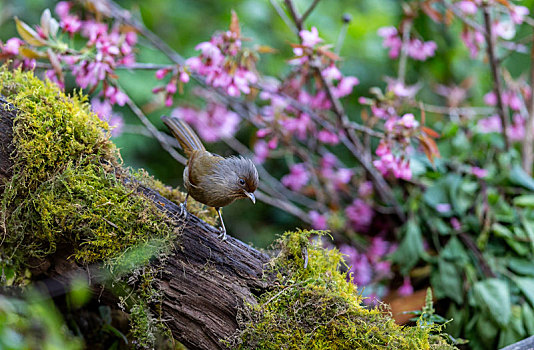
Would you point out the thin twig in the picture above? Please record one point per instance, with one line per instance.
(284, 205)
(404, 50)
(162, 141)
(496, 77)
(294, 15)
(463, 18)
(284, 17)
(309, 10)
(528, 142)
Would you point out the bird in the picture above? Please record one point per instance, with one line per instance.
(209, 178)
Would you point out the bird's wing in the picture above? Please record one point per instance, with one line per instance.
(201, 163)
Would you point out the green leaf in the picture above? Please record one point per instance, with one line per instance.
(410, 249)
(526, 285)
(515, 331)
(28, 34)
(529, 230)
(451, 278)
(486, 332)
(501, 231)
(526, 200)
(528, 318)
(521, 266)
(493, 297)
(519, 177)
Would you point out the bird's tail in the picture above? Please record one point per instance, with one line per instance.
(184, 134)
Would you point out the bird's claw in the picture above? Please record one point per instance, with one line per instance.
(222, 235)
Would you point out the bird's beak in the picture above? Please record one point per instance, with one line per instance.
(251, 196)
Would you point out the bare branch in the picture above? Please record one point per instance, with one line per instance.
(294, 15)
(284, 17)
(496, 77)
(528, 142)
(309, 10)
(404, 50)
(154, 131)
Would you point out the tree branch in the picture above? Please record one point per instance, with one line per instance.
(490, 46)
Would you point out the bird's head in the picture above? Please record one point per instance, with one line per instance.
(244, 178)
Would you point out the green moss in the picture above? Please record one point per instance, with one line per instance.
(69, 191)
(67, 185)
(313, 306)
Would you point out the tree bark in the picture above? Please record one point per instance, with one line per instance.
(204, 281)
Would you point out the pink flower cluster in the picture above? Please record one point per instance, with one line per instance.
(503, 27)
(389, 164)
(213, 123)
(338, 178)
(297, 178)
(512, 100)
(416, 49)
(110, 49)
(179, 76)
(10, 50)
(370, 269)
(223, 64)
(398, 131)
(104, 109)
(360, 215)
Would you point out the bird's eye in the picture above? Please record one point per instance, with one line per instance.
(242, 182)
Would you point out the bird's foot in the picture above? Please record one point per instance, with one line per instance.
(222, 235)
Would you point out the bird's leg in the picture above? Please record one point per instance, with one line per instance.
(185, 201)
(222, 228)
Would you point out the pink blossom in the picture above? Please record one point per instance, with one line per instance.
(400, 89)
(319, 221)
(51, 75)
(360, 215)
(504, 29)
(392, 40)
(472, 39)
(383, 268)
(516, 132)
(310, 38)
(490, 98)
(328, 161)
(345, 86)
(261, 151)
(161, 73)
(420, 50)
(115, 95)
(518, 13)
(331, 73)
(11, 47)
(378, 249)
(366, 189)
(171, 87)
(467, 7)
(184, 77)
(479, 172)
(297, 126)
(406, 288)
(443, 207)
(71, 24)
(212, 124)
(359, 265)
(328, 137)
(456, 225)
(104, 110)
(63, 8)
(489, 124)
(408, 121)
(297, 178)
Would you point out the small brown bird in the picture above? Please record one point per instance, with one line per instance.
(209, 178)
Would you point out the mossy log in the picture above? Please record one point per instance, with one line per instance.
(202, 283)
